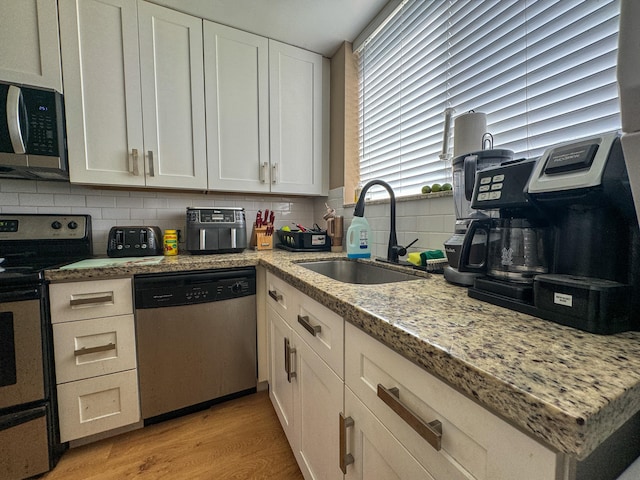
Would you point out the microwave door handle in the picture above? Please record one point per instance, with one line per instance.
(233, 238)
(203, 239)
(14, 104)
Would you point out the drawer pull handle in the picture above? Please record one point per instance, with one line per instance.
(431, 432)
(288, 351)
(345, 458)
(97, 299)
(99, 348)
(312, 329)
(275, 295)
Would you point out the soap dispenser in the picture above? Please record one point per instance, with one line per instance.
(359, 238)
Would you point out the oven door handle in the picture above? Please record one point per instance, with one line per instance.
(17, 295)
(13, 420)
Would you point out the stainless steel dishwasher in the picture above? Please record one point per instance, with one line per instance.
(196, 339)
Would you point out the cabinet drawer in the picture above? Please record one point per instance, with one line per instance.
(89, 348)
(98, 404)
(282, 297)
(95, 299)
(323, 330)
(474, 442)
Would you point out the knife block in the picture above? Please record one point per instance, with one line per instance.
(260, 240)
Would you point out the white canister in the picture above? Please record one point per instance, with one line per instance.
(469, 128)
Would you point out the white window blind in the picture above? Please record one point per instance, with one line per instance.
(542, 70)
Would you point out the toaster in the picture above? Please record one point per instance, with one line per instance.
(134, 241)
(216, 230)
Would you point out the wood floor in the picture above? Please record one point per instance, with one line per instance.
(239, 439)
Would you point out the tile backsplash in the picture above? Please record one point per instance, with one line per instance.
(165, 209)
(430, 220)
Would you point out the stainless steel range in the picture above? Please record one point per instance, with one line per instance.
(29, 244)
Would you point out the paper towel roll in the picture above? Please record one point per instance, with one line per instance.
(468, 131)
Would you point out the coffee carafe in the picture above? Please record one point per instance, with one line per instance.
(515, 240)
(465, 168)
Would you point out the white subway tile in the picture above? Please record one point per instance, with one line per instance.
(69, 200)
(100, 201)
(35, 199)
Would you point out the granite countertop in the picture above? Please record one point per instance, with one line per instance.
(568, 388)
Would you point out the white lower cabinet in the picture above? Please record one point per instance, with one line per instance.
(95, 356)
(451, 436)
(353, 408)
(307, 394)
(376, 453)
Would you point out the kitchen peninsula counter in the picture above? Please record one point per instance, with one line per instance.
(567, 388)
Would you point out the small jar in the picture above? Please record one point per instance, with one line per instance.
(170, 242)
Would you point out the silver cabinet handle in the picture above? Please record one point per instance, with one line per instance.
(312, 329)
(97, 299)
(99, 348)
(134, 166)
(152, 168)
(263, 172)
(14, 95)
(274, 173)
(288, 351)
(275, 295)
(345, 458)
(431, 432)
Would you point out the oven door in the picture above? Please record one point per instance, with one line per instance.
(21, 375)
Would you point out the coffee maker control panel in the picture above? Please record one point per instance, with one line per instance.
(502, 186)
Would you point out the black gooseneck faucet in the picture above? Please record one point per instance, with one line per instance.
(394, 251)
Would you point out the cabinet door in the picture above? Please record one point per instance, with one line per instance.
(100, 58)
(318, 402)
(172, 98)
(377, 455)
(280, 385)
(29, 47)
(298, 156)
(237, 93)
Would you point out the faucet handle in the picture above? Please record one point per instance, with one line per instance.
(402, 251)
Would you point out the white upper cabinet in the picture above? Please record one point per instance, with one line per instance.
(172, 73)
(298, 108)
(29, 47)
(267, 108)
(237, 92)
(134, 94)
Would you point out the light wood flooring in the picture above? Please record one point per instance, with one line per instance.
(238, 439)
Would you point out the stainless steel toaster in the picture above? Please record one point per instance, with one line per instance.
(216, 230)
(134, 241)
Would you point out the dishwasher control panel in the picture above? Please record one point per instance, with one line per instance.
(188, 288)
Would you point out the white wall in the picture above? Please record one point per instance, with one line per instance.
(109, 207)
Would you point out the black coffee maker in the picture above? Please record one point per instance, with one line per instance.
(582, 268)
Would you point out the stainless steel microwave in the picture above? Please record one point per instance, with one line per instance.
(32, 133)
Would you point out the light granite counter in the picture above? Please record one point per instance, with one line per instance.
(568, 388)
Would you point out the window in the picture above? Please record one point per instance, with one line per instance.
(542, 70)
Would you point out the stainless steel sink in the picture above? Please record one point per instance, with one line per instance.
(356, 272)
